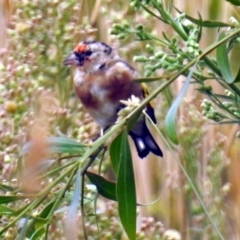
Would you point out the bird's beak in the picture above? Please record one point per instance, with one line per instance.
(70, 60)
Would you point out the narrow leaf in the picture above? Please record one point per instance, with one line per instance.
(23, 224)
(38, 234)
(55, 149)
(42, 166)
(169, 122)
(57, 145)
(4, 210)
(47, 209)
(105, 187)
(70, 223)
(8, 199)
(229, 122)
(229, 98)
(115, 147)
(237, 78)
(223, 62)
(114, 151)
(126, 192)
(150, 79)
(234, 2)
(200, 28)
(7, 188)
(131, 122)
(205, 23)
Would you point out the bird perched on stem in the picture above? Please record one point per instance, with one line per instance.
(102, 79)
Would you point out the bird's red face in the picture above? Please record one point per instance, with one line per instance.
(88, 55)
(79, 56)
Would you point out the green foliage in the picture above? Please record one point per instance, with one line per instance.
(223, 63)
(235, 2)
(165, 53)
(171, 115)
(125, 189)
(105, 187)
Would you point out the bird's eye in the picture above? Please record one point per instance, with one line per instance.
(88, 53)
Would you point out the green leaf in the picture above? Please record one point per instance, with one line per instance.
(114, 153)
(72, 210)
(150, 79)
(23, 229)
(4, 210)
(205, 23)
(200, 26)
(234, 2)
(223, 62)
(8, 199)
(229, 98)
(105, 187)
(169, 123)
(125, 189)
(57, 145)
(47, 209)
(71, 150)
(133, 119)
(229, 122)
(237, 78)
(7, 188)
(116, 144)
(42, 217)
(38, 234)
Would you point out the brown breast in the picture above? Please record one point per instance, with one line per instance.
(87, 98)
(97, 91)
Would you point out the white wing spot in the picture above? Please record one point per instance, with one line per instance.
(140, 143)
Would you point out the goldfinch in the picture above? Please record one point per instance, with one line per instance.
(102, 79)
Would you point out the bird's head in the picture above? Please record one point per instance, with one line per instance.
(90, 56)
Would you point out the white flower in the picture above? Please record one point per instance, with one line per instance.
(172, 234)
(131, 104)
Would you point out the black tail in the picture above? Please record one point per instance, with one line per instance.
(145, 143)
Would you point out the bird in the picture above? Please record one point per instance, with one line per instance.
(101, 80)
